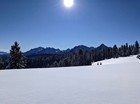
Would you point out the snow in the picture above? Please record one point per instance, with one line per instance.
(98, 84)
(120, 60)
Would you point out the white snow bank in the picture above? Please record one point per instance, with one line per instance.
(107, 84)
(121, 60)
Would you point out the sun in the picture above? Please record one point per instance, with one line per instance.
(68, 3)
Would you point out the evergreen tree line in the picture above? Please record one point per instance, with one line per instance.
(115, 52)
(17, 60)
(83, 57)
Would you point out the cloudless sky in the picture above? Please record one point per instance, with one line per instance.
(48, 23)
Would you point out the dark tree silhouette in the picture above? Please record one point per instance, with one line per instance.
(115, 51)
(1, 63)
(16, 60)
(136, 50)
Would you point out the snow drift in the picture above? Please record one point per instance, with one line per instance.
(121, 60)
(114, 83)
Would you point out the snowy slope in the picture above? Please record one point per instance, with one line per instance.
(120, 60)
(105, 84)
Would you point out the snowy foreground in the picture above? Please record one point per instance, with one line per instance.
(117, 81)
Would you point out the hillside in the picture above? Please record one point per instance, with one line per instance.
(120, 60)
(114, 82)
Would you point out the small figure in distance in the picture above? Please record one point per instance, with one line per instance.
(97, 63)
(100, 63)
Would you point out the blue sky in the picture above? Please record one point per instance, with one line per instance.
(48, 23)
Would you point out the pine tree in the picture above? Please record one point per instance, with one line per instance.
(127, 49)
(115, 51)
(55, 64)
(1, 63)
(16, 60)
(81, 57)
(136, 49)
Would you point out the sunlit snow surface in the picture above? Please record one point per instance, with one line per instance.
(121, 60)
(98, 84)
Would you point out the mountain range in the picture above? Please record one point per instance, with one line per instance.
(3, 53)
(49, 50)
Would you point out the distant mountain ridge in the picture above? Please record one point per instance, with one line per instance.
(102, 47)
(49, 50)
(77, 48)
(3, 53)
(41, 50)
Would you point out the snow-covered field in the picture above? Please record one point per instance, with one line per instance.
(117, 81)
(121, 60)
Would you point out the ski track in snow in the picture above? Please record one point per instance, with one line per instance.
(113, 83)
